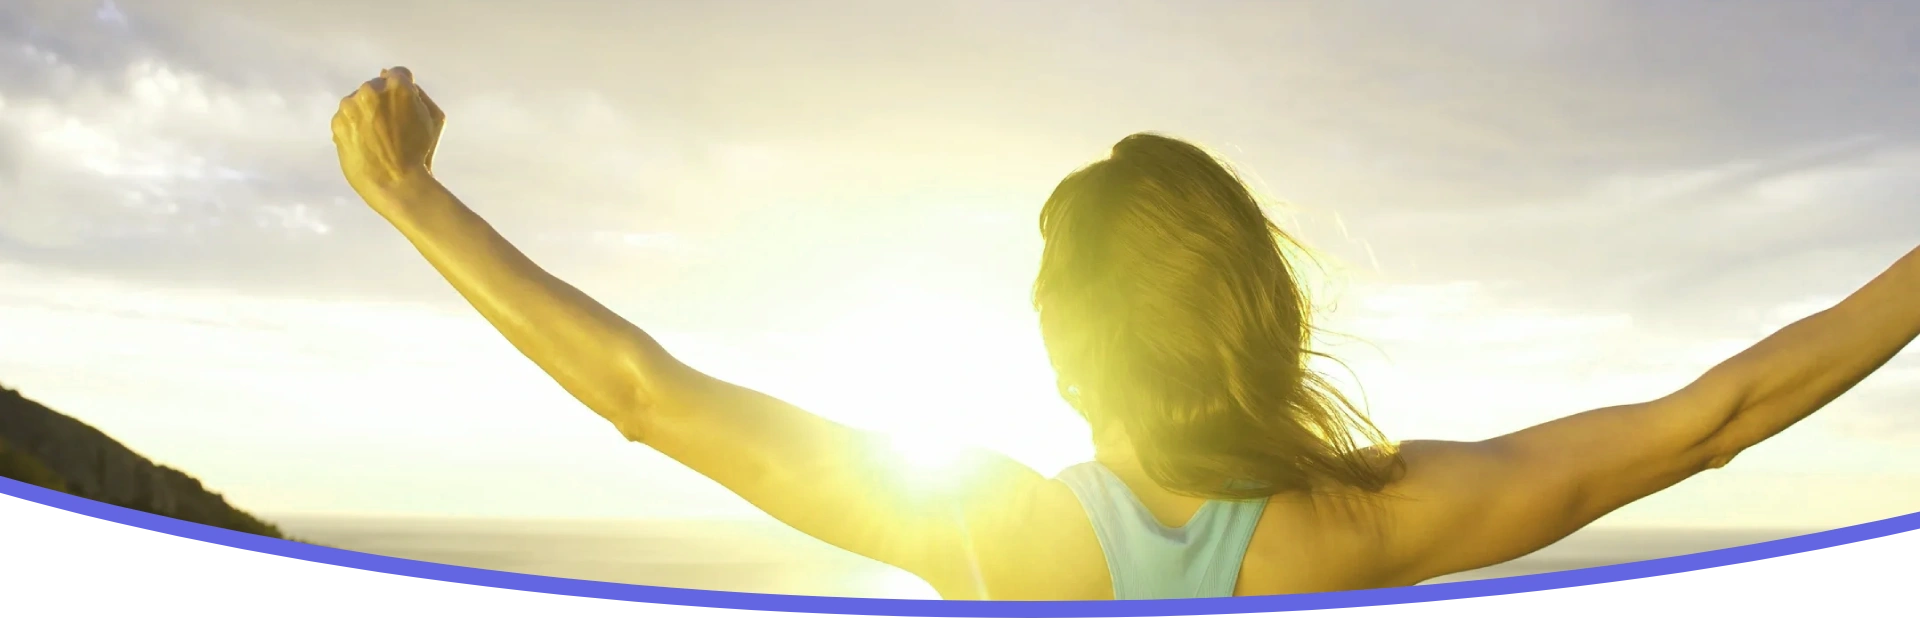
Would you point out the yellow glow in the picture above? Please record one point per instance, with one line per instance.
(939, 374)
(928, 456)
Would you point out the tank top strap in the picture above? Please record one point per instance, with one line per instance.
(1149, 560)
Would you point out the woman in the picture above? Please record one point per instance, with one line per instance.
(1225, 467)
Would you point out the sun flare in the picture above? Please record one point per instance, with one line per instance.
(927, 455)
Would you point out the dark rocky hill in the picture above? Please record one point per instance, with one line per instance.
(42, 447)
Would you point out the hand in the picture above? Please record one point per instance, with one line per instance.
(386, 133)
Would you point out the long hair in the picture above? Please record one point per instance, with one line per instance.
(1168, 308)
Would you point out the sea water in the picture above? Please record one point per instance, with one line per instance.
(755, 556)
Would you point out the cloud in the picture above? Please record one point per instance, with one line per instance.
(1684, 250)
(120, 155)
(110, 13)
(125, 161)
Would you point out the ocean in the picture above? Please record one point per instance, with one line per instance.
(752, 556)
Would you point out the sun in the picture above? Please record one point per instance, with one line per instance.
(926, 456)
(948, 381)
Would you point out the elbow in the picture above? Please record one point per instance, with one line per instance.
(1727, 440)
(1711, 413)
(1720, 458)
(1709, 462)
(654, 395)
(632, 413)
(634, 395)
(1715, 453)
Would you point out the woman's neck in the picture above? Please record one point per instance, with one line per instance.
(1170, 509)
(1116, 453)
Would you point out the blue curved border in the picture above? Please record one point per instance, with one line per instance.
(963, 609)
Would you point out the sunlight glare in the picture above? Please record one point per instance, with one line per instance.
(927, 457)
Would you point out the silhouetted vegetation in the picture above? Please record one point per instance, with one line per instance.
(23, 467)
(42, 447)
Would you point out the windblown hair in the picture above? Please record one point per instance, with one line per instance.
(1169, 309)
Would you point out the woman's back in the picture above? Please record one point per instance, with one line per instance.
(1103, 530)
(1139, 542)
(1151, 557)
(1099, 532)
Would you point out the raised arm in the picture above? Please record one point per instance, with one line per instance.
(842, 485)
(1463, 506)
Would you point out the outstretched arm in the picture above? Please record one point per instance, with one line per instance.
(842, 485)
(1469, 505)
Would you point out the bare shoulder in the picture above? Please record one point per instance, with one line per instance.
(1323, 542)
(1354, 540)
(1456, 506)
(1460, 506)
(1037, 545)
(1430, 468)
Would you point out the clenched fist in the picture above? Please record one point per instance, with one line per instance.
(386, 133)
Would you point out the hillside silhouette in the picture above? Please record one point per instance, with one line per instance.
(45, 448)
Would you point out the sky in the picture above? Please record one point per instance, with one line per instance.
(1525, 210)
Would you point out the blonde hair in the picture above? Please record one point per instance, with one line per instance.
(1168, 307)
